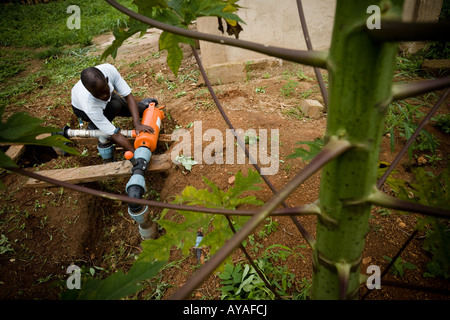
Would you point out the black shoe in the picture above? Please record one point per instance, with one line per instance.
(147, 101)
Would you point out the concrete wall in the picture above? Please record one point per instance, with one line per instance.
(277, 23)
(272, 22)
(420, 11)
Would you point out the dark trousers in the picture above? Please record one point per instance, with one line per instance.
(116, 107)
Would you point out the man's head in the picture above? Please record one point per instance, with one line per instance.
(96, 83)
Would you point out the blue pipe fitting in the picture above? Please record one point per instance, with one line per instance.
(149, 233)
(107, 153)
(136, 180)
(140, 217)
(143, 153)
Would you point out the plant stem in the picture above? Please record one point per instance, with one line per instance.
(361, 72)
(309, 209)
(403, 91)
(386, 201)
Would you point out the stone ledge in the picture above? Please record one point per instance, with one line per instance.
(233, 72)
(311, 108)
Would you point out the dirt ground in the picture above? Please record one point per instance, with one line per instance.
(51, 228)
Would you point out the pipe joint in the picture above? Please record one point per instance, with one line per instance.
(148, 233)
(140, 217)
(106, 151)
(142, 153)
(136, 180)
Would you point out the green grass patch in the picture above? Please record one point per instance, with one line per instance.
(40, 32)
(45, 25)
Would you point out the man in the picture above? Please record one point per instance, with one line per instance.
(94, 100)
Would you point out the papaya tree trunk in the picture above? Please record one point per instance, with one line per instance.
(360, 74)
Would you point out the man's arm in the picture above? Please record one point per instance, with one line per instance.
(132, 106)
(122, 141)
(119, 138)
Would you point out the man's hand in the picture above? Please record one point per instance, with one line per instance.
(143, 128)
(132, 106)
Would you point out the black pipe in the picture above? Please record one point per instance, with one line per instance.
(136, 192)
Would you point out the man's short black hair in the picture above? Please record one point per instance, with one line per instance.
(91, 77)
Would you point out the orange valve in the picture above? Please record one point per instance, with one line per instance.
(129, 155)
(152, 117)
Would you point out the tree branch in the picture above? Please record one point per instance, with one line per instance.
(380, 199)
(309, 209)
(395, 31)
(311, 58)
(403, 91)
(332, 150)
(308, 237)
(412, 138)
(317, 71)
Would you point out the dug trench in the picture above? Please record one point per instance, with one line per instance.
(55, 227)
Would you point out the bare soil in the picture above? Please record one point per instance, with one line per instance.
(51, 228)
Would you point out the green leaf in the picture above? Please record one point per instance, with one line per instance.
(243, 184)
(181, 229)
(395, 183)
(121, 35)
(21, 128)
(186, 162)
(170, 42)
(5, 161)
(117, 285)
(18, 125)
(307, 155)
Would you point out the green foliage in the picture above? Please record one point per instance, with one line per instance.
(181, 229)
(186, 162)
(5, 246)
(179, 13)
(402, 118)
(68, 64)
(116, 286)
(20, 128)
(399, 266)
(242, 282)
(433, 191)
(45, 25)
(307, 155)
(395, 183)
(442, 122)
(278, 251)
(289, 88)
(11, 63)
(437, 242)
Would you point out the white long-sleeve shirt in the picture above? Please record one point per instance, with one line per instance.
(82, 99)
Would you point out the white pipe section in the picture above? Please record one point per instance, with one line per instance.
(85, 133)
